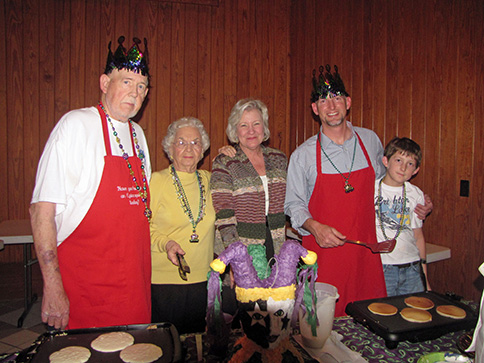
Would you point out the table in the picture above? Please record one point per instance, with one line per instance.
(19, 232)
(436, 253)
(372, 347)
(357, 338)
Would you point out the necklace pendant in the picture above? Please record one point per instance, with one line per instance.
(194, 238)
(348, 187)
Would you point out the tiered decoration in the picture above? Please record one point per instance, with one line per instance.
(267, 306)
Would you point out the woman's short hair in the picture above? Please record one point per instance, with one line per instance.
(177, 125)
(246, 104)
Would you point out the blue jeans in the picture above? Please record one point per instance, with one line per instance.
(403, 280)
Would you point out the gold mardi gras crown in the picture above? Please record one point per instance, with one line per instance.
(132, 59)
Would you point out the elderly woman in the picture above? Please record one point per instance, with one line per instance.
(182, 224)
(248, 189)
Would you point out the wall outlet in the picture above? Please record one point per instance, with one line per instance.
(464, 188)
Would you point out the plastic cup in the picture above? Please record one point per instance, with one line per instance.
(326, 299)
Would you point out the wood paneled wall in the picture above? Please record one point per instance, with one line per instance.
(203, 57)
(412, 68)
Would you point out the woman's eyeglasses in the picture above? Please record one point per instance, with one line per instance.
(182, 144)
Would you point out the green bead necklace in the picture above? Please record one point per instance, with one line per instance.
(182, 197)
(347, 187)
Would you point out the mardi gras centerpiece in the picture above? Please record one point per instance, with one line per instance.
(268, 293)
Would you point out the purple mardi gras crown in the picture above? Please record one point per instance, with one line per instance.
(327, 84)
(132, 59)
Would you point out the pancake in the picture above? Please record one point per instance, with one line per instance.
(451, 311)
(72, 354)
(418, 302)
(382, 309)
(416, 315)
(141, 353)
(112, 342)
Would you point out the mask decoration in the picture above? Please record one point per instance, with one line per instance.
(327, 84)
(132, 59)
(268, 298)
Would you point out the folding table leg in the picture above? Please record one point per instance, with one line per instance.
(29, 299)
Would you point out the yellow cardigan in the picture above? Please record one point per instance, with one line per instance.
(169, 222)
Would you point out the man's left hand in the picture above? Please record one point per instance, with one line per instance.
(423, 211)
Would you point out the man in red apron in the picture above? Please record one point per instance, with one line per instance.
(330, 191)
(90, 206)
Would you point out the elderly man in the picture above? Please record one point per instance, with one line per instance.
(90, 206)
(329, 194)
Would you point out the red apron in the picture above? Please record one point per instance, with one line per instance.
(105, 263)
(354, 270)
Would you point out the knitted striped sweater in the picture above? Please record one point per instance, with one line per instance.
(239, 199)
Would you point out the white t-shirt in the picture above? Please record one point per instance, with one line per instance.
(72, 164)
(391, 207)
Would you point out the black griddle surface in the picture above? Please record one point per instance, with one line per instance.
(395, 329)
(162, 334)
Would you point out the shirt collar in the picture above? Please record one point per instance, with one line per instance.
(327, 142)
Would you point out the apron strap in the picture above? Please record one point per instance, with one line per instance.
(107, 144)
(318, 152)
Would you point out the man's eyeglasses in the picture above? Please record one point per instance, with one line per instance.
(182, 144)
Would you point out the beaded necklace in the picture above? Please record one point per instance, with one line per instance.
(347, 187)
(182, 197)
(402, 217)
(143, 191)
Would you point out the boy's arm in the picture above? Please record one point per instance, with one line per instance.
(420, 241)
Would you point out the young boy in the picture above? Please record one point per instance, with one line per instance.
(404, 268)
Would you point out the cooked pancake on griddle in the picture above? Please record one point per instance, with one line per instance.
(141, 353)
(382, 309)
(72, 354)
(451, 311)
(418, 302)
(416, 315)
(112, 342)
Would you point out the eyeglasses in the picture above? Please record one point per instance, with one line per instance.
(182, 144)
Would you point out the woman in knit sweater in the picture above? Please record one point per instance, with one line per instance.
(248, 189)
(182, 223)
